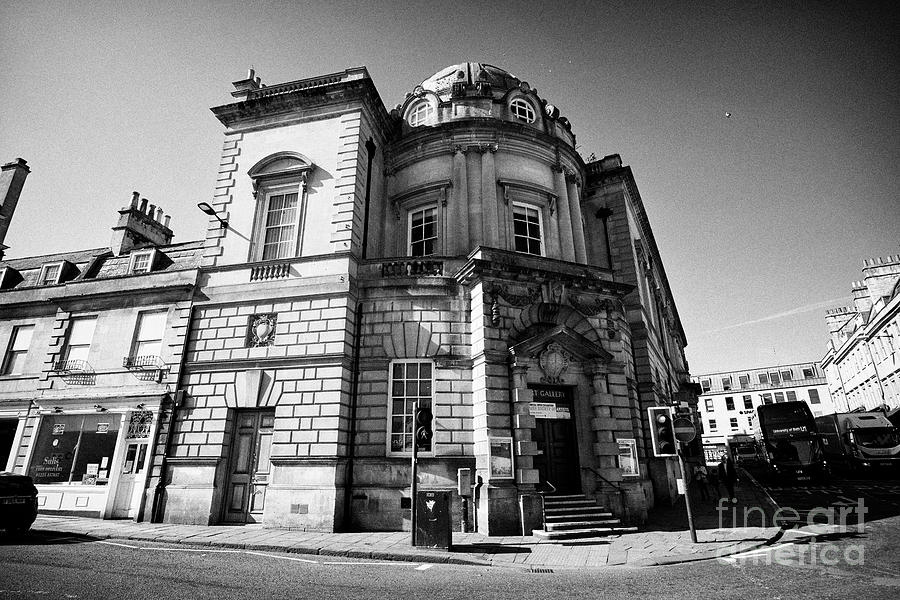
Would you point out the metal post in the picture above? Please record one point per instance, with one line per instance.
(413, 485)
(687, 493)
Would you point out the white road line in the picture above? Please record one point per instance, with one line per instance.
(423, 567)
(294, 558)
(204, 550)
(350, 562)
(120, 545)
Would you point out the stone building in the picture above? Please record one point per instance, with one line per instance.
(862, 362)
(455, 251)
(729, 399)
(93, 342)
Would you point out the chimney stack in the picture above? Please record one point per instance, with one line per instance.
(12, 179)
(140, 226)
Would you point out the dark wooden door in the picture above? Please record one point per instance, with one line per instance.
(249, 466)
(559, 462)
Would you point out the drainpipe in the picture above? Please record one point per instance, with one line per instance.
(354, 391)
(156, 509)
(370, 148)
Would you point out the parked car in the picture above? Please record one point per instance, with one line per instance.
(18, 502)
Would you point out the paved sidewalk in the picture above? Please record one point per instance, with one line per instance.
(665, 539)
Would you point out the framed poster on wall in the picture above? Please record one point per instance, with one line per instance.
(501, 458)
(628, 458)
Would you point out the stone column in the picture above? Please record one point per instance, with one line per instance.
(552, 227)
(459, 229)
(489, 197)
(475, 211)
(567, 246)
(577, 222)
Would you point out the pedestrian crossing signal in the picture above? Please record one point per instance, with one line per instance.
(661, 431)
(424, 431)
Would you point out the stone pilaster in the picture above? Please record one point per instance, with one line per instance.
(460, 227)
(523, 426)
(577, 222)
(489, 197)
(476, 211)
(564, 216)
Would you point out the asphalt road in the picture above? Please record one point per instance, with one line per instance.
(41, 566)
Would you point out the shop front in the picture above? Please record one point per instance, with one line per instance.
(92, 463)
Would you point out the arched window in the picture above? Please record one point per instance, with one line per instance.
(420, 114)
(279, 185)
(522, 110)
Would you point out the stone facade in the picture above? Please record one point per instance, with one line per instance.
(456, 252)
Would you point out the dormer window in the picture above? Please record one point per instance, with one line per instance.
(522, 110)
(420, 114)
(50, 274)
(141, 262)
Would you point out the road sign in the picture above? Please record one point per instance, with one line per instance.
(684, 430)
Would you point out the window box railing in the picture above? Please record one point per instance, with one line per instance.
(413, 268)
(74, 372)
(145, 368)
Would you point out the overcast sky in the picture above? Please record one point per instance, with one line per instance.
(763, 219)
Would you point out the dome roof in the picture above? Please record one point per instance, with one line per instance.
(470, 73)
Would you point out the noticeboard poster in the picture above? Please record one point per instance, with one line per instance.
(501, 458)
(628, 459)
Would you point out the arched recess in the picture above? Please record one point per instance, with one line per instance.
(280, 165)
(545, 315)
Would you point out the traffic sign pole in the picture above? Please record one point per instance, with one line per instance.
(687, 494)
(413, 470)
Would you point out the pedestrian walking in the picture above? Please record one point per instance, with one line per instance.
(713, 476)
(700, 477)
(728, 475)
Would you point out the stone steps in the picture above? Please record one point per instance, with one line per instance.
(574, 516)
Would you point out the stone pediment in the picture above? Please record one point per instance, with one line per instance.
(572, 342)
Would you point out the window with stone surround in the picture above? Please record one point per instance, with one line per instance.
(20, 341)
(148, 334)
(813, 396)
(423, 227)
(527, 229)
(141, 262)
(522, 110)
(729, 403)
(409, 381)
(279, 186)
(78, 340)
(50, 274)
(420, 114)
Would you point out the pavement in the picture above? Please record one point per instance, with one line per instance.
(665, 539)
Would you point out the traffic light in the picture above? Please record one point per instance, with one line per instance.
(661, 430)
(424, 433)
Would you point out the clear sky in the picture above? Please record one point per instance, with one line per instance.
(763, 219)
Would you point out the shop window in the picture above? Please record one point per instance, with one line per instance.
(423, 229)
(527, 229)
(411, 381)
(729, 403)
(20, 341)
(78, 342)
(748, 401)
(75, 449)
(814, 396)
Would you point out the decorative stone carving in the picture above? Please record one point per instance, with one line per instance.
(261, 330)
(553, 362)
(530, 296)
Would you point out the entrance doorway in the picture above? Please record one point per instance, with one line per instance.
(7, 436)
(556, 438)
(249, 467)
(129, 487)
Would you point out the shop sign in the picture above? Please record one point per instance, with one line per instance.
(549, 410)
(59, 428)
(102, 427)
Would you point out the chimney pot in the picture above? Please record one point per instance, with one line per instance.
(251, 73)
(143, 207)
(135, 197)
(258, 80)
(152, 212)
(166, 222)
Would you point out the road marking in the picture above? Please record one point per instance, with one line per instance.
(120, 545)
(423, 567)
(294, 558)
(204, 550)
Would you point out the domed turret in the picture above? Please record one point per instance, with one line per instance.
(482, 77)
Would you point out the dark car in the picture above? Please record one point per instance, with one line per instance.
(18, 502)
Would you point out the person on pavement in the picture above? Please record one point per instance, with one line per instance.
(728, 475)
(700, 477)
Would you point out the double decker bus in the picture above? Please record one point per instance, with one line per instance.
(744, 449)
(793, 448)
